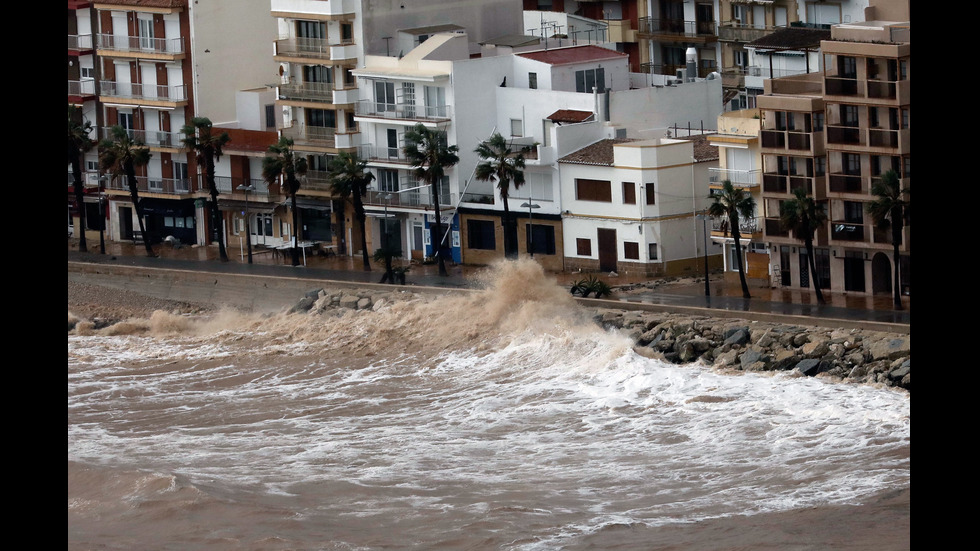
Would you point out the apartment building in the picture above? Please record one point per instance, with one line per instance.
(740, 162)
(834, 133)
(321, 102)
(150, 66)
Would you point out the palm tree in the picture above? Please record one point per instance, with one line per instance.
(200, 138)
(430, 154)
(803, 216)
(78, 143)
(283, 162)
(349, 181)
(120, 154)
(891, 209)
(732, 203)
(500, 163)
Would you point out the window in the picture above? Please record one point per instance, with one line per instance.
(854, 212)
(741, 59)
(847, 66)
(516, 127)
(583, 247)
(146, 33)
(629, 193)
(384, 95)
(820, 166)
(349, 78)
(821, 259)
(852, 164)
(346, 33)
(653, 251)
(388, 180)
(651, 194)
(593, 190)
(532, 81)
(480, 235)
(317, 73)
(903, 69)
(849, 115)
(88, 73)
(541, 238)
(590, 78)
(435, 101)
(818, 122)
(270, 116)
(631, 250)
(311, 29)
(323, 118)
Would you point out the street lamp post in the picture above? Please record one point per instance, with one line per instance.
(248, 225)
(530, 225)
(704, 223)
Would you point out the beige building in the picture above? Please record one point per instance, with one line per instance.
(834, 134)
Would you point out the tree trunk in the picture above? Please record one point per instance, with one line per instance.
(896, 257)
(134, 194)
(362, 221)
(733, 220)
(295, 231)
(510, 231)
(215, 212)
(811, 260)
(437, 238)
(76, 173)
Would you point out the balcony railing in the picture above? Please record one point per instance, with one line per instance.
(228, 184)
(420, 198)
(141, 91)
(316, 91)
(386, 154)
(480, 198)
(650, 26)
(153, 138)
(846, 231)
(317, 135)
(317, 48)
(746, 226)
(786, 183)
(774, 228)
(741, 32)
(141, 44)
(80, 42)
(774, 139)
(847, 135)
(148, 184)
(81, 87)
(846, 183)
(89, 179)
(739, 178)
(841, 86)
(368, 108)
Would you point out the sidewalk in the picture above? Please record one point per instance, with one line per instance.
(727, 297)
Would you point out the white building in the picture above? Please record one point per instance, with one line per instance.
(630, 206)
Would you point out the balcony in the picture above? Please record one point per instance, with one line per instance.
(847, 231)
(774, 228)
(788, 183)
(313, 135)
(81, 88)
(382, 154)
(109, 44)
(478, 198)
(315, 48)
(417, 198)
(786, 141)
(677, 30)
(734, 31)
(122, 91)
(228, 184)
(671, 69)
(89, 180)
(152, 138)
(317, 180)
(401, 111)
(747, 227)
(846, 183)
(147, 184)
(745, 179)
(307, 91)
(80, 42)
(841, 86)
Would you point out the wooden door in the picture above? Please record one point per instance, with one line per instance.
(607, 250)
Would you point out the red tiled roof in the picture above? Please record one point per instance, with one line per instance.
(569, 115)
(599, 153)
(575, 54)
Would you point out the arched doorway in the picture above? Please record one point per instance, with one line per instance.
(881, 274)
